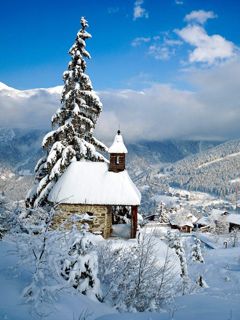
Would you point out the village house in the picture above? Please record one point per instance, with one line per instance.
(96, 189)
(231, 220)
(234, 221)
(182, 220)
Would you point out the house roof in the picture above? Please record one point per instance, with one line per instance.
(118, 145)
(86, 182)
(233, 218)
(182, 218)
(205, 221)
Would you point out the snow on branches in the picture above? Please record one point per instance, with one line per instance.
(53, 257)
(80, 268)
(174, 242)
(196, 251)
(134, 277)
(73, 124)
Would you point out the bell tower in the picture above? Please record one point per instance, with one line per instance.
(117, 153)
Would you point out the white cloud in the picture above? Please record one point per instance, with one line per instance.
(208, 49)
(113, 10)
(200, 16)
(28, 108)
(165, 49)
(178, 2)
(172, 42)
(139, 11)
(160, 52)
(160, 48)
(160, 111)
(140, 40)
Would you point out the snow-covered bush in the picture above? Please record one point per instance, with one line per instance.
(46, 252)
(201, 282)
(132, 276)
(80, 268)
(39, 248)
(9, 214)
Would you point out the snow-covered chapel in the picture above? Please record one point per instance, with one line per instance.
(96, 189)
(73, 173)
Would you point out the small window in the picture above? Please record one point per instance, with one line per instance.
(89, 213)
(117, 159)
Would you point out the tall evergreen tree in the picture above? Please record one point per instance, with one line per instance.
(73, 125)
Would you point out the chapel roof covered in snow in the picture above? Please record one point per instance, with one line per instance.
(118, 145)
(87, 182)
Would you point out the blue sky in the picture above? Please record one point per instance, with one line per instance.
(162, 68)
(134, 44)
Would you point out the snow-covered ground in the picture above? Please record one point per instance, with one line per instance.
(219, 301)
(14, 277)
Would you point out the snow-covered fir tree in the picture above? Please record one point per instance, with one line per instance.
(163, 215)
(180, 252)
(196, 251)
(175, 243)
(80, 268)
(74, 123)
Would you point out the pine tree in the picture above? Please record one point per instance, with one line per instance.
(163, 216)
(174, 242)
(196, 251)
(74, 123)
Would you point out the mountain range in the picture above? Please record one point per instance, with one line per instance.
(210, 166)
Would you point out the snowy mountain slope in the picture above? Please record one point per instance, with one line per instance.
(168, 151)
(206, 171)
(216, 170)
(12, 92)
(20, 150)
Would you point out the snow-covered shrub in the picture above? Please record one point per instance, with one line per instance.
(80, 268)
(132, 276)
(201, 282)
(39, 248)
(9, 214)
(46, 251)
